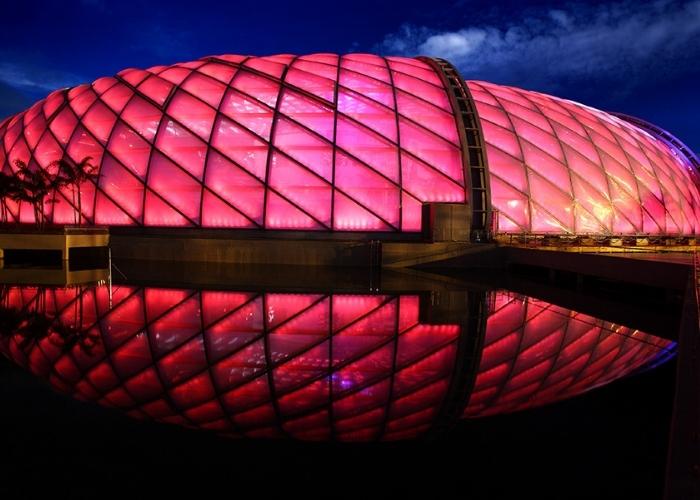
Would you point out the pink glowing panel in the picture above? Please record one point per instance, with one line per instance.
(281, 214)
(620, 179)
(122, 187)
(429, 92)
(368, 188)
(142, 116)
(117, 97)
(182, 146)
(351, 216)
(428, 184)
(81, 101)
(46, 152)
(262, 89)
(431, 117)
(156, 88)
(131, 149)
(241, 146)
(305, 80)
(205, 88)
(249, 112)
(175, 74)
(368, 113)
(368, 86)
(62, 125)
(176, 186)
(235, 185)
(433, 149)
(368, 147)
(310, 113)
(305, 147)
(367, 64)
(192, 113)
(302, 187)
(33, 131)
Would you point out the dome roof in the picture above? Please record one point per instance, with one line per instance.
(557, 166)
(253, 142)
(342, 143)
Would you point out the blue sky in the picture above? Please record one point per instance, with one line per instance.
(641, 58)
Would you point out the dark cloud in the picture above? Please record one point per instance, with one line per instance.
(35, 78)
(627, 43)
(11, 101)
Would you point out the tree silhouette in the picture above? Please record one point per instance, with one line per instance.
(32, 185)
(35, 185)
(74, 175)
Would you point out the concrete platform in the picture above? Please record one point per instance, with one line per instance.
(52, 239)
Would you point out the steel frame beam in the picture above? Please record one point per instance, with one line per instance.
(476, 172)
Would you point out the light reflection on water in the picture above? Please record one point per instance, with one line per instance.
(313, 366)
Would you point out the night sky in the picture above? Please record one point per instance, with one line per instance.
(640, 58)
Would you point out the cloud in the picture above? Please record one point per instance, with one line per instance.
(625, 43)
(33, 79)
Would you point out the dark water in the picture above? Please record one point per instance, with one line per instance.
(325, 386)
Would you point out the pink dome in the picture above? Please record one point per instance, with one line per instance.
(557, 166)
(341, 143)
(357, 142)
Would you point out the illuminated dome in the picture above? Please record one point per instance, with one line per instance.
(346, 143)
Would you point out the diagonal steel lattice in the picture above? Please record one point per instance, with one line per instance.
(310, 366)
(342, 143)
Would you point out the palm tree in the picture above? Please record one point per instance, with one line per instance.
(75, 174)
(35, 185)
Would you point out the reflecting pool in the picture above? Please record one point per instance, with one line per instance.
(326, 365)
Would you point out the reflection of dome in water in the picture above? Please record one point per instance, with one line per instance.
(357, 142)
(314, 366)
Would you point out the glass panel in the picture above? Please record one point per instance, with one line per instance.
(131, 149)
(433, 150)
(315, 153)
(192, 113)
(368, 113)
(217, 213)
(262, 89)
(235, 185)
(317, 117)
(369, 147)
(316, 85)
(241, 146)
(125, 189)
(175, 186)
(183, 147)
(301, 187)
(156, 89)
(429, 116)
(205, 88)
(99, 120)
(117, 97)
(142, 116)
(248, 112)
(427, 184)
(367, 188)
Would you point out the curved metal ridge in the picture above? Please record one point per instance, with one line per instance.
(476, 172)
(662, 134)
